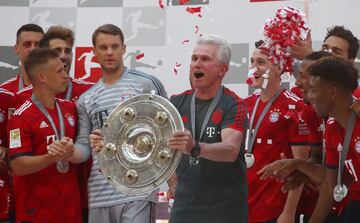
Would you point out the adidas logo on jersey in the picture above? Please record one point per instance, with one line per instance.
(43, 125)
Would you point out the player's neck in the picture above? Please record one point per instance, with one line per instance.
(110, 78)
(24, 76)
(341, 111)
(45, 97)
(269, 91)
(207, 93)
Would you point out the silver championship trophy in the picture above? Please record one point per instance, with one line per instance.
(136, 159)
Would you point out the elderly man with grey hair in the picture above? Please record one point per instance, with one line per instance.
(210, 180)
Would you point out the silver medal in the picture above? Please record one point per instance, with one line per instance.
(62, 166)
(340, 191)
(249, 159)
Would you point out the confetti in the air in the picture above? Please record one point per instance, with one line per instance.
(183, 2)
(185, 41)
(196, 29)
(194, 10)
(161, 4)
(176, 67)
(138, 57)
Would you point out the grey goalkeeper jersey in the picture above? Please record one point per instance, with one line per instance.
(93, 108)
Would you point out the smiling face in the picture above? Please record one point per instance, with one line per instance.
(303, 79)
(320, 95)
(261, 62)
(206, 70)
(337, 46)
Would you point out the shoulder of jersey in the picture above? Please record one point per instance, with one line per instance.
(82, 82)
(187, 92)
(4, 91)
(8, 81)
(25, 89)
(24, 107)
(64, 101)
(291, 96)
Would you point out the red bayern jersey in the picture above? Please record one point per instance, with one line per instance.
(315, 125)
(12, 84)
(5, 193)
(357, 92)
(334, 139)
(78, 87)
(47, 195)
(281, 128)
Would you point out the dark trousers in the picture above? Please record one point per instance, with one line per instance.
(352, 213)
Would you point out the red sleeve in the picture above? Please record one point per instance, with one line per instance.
(17, 101)
(235, 113)
(20, 134)
(5, 99)
(314, 124)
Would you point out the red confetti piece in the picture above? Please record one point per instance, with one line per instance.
(196, 29)
(193, 10)
(177, 65)
(185, 41)
(183, 2)
(161, 4)
(138, 57)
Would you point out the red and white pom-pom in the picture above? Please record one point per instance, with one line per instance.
(251, 76)
(281, 33)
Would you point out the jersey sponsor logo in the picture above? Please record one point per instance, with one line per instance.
(101, 117)
(43, 125)
(357, 144)
(302, 128)
(15, 138)
(70, 120)
(2, 117)
(210, 132)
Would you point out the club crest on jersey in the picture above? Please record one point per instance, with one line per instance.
(357, 144)
(70, 120)
(274, 115)
(2, 117)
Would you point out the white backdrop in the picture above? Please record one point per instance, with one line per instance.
(165, 36)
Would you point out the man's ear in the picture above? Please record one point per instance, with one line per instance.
(333, 91)
(224, 68)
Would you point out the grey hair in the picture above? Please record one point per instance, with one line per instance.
(224, 53)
